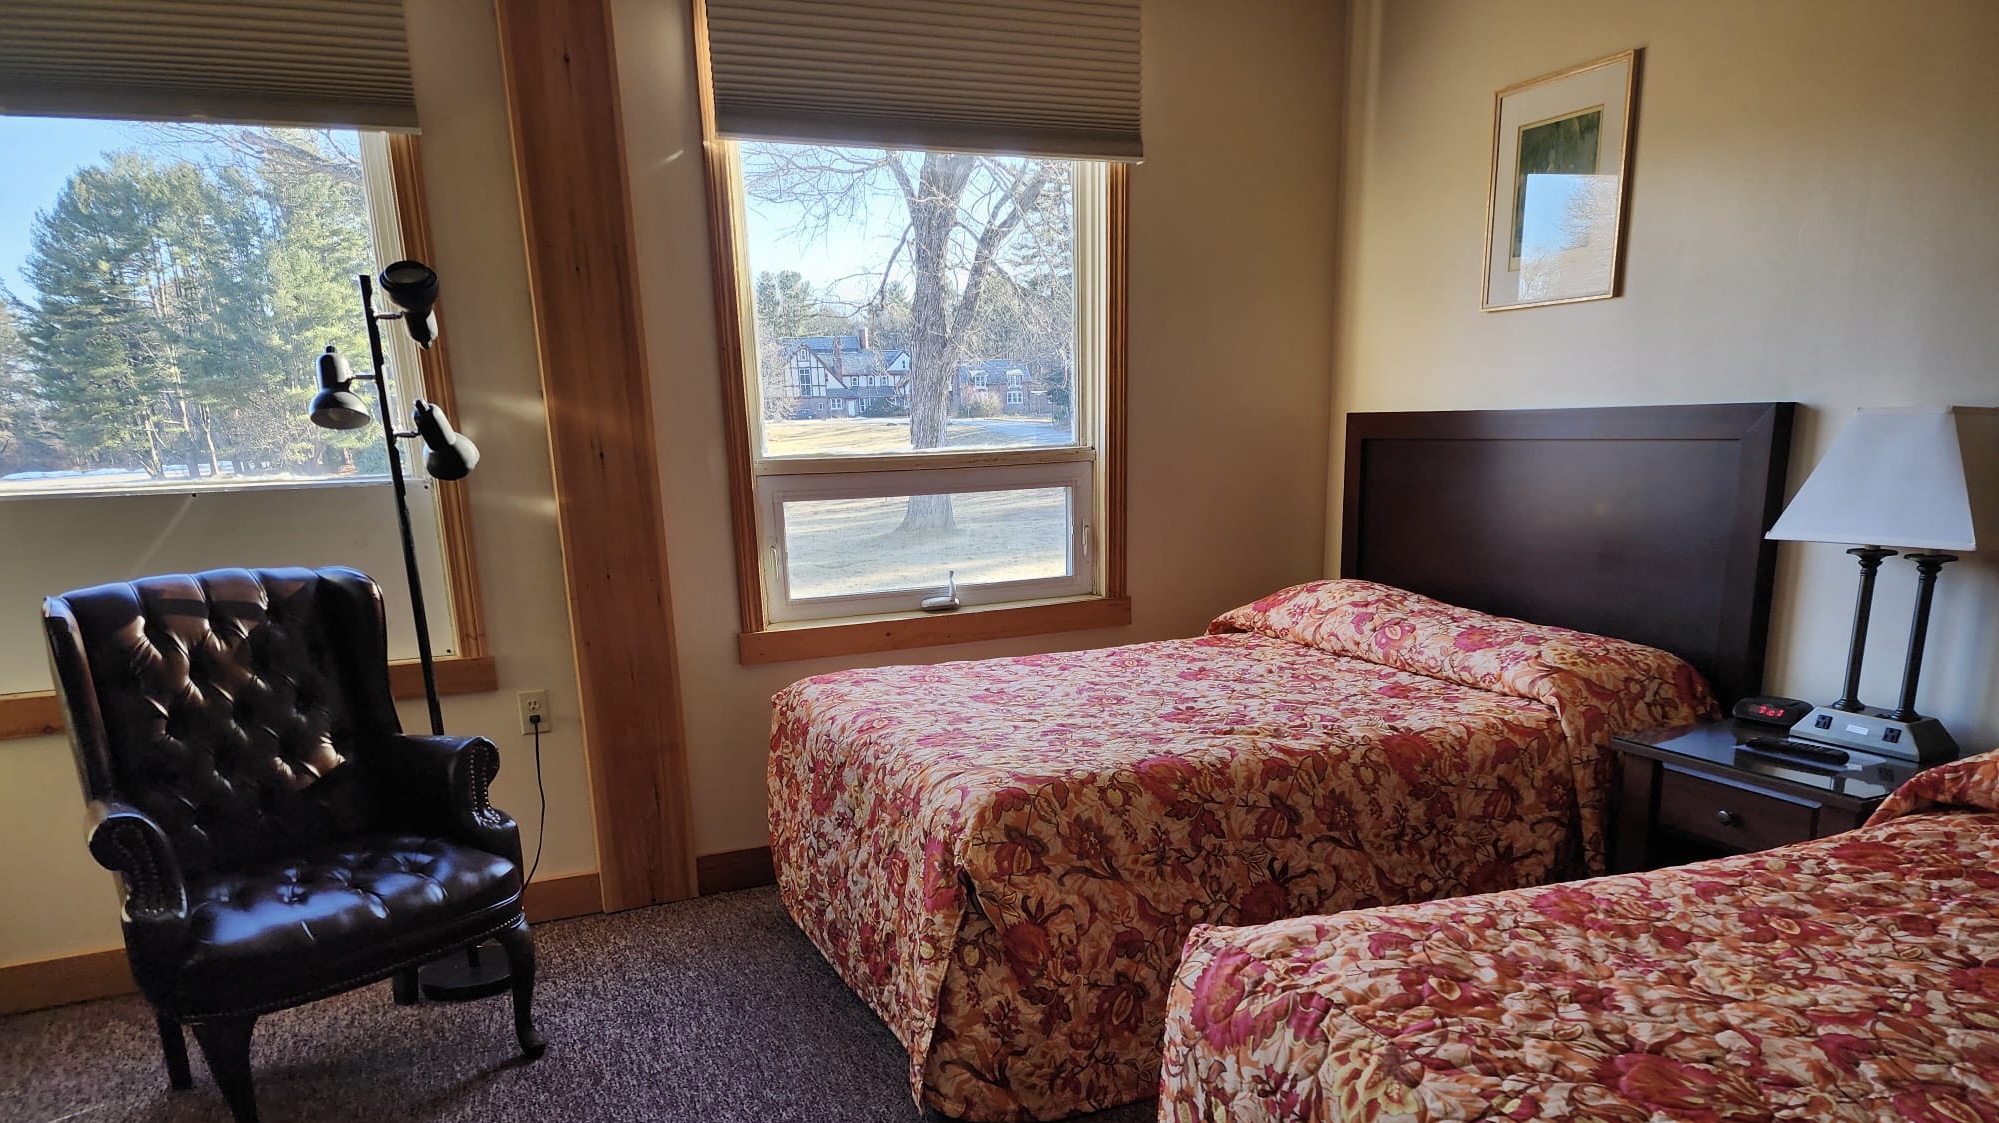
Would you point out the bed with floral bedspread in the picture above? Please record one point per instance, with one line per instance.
(1850, 978)
(1002, 858)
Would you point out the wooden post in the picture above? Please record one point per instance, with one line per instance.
(569, 158)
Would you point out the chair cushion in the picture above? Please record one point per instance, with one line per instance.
(353, 907)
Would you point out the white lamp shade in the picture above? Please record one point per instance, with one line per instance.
(1893, 477)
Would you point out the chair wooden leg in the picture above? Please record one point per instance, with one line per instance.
(225, 1045)
(518, 943)
(174, 1045)
(406, 988)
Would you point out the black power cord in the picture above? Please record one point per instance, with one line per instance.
(541, 825)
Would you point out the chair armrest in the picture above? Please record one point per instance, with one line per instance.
(127, 841)
(438, 786)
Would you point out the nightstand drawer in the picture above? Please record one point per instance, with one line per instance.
(1731, 817)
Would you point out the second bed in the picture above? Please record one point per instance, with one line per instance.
(1852, 978)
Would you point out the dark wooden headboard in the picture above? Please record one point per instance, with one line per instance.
(1641, 522)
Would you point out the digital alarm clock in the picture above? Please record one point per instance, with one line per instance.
(1765, 709)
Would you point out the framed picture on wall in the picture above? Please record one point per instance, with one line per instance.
(1555, 214)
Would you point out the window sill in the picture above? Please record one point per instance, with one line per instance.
(791, 643)
(186, 489)
(39, 715)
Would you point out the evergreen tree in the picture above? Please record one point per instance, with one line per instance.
(788, 305)
(27, 442)
(90, 335)
(319, 240)
(179, 307)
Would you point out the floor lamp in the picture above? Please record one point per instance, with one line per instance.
(412, 287)
(1894, 478)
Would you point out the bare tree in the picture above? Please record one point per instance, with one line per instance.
(960, 214)
(327, 153)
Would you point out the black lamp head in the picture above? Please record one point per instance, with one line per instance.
(452, 454)
(412, 287)
(336, 406)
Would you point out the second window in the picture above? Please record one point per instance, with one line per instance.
(925, 378)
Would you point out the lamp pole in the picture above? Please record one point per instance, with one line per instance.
(1927, 567)
(392, 438)
(1856, 648)
(412, 287)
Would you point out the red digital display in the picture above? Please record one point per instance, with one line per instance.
(1776, 711)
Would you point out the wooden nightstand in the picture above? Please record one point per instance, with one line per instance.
(1697, 792)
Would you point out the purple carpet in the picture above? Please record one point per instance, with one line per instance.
(715, 1010)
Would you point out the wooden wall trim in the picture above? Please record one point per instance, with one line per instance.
(463, 674)
(1116, 429)
(736, 869)
(65, 979)
(37, 714)
(559, 898)
(30, 715)
(454, 503)
(561, 79)
(100, 974)
(732, 320)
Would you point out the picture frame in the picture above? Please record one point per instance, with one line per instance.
(1556, 201)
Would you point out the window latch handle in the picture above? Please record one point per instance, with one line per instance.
(949, 602)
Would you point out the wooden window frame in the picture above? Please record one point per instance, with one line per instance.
(471, 670)
(763, 641)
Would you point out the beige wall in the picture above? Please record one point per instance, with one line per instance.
(1231, 233)
(1813, 218)
(468, 166)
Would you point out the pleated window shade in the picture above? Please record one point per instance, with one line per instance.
(1052, 78)
(263, 62)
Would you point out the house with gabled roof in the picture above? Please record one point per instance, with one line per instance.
(843, 376)
(1019, 386)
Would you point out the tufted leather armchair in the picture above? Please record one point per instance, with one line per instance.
(279, 838)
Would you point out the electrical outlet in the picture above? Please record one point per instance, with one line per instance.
(534, 704)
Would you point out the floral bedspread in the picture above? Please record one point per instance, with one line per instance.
(1003, 857)
(1851, 978)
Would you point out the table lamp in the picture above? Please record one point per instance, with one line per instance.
(1893, 479)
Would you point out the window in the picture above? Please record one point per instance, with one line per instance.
(860, 210)
(239, 508)
(171, 286)
(873, 510)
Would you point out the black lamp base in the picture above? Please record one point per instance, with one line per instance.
(480, 973)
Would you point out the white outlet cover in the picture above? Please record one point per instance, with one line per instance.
(534, 702)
